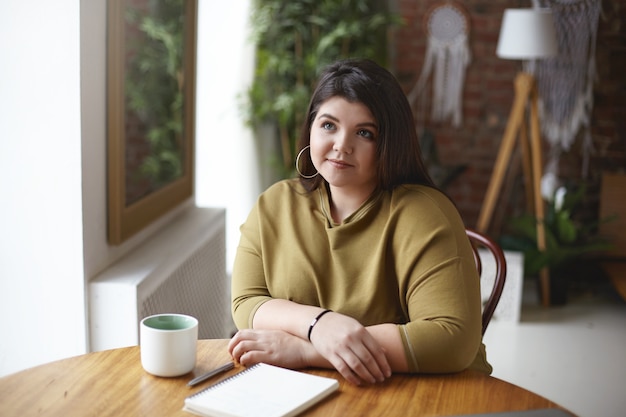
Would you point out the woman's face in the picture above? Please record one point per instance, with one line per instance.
(343, 145)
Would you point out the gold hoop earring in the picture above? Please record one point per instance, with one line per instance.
(298, 163)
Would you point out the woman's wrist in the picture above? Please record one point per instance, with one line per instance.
(314, 322)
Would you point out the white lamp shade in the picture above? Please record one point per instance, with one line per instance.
(527, 34)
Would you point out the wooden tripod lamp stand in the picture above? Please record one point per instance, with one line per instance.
(525, 34)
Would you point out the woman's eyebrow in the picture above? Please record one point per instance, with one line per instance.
(328, 116)
(364, 124)
(368, 124)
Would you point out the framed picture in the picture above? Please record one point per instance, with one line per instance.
(151, 62)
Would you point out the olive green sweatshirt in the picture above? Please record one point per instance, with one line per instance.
(403, 257)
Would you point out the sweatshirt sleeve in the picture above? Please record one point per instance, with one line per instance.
(443, 334)
(442, 294)
(248, 286)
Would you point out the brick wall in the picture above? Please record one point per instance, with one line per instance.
(488, 96)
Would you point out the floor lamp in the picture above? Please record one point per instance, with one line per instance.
(526, 34)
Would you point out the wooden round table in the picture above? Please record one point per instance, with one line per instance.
(113, 383)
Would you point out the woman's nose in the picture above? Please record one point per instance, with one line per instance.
(342, 143)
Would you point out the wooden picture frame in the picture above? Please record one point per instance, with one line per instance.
(165, 174)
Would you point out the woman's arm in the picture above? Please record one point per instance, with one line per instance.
(360, 354)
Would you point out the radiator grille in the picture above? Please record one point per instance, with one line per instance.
(191, 289)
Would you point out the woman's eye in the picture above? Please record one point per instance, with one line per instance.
(328, 126)
(366, 134)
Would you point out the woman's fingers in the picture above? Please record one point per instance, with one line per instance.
(353, 367)
(366, 365)
(237, 344)
(345, 370)
(270, 346)
(378, 358)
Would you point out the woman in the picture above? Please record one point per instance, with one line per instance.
(361, 264)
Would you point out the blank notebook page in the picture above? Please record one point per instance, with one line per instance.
(261, 391)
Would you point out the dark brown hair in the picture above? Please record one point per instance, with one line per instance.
(398, 151)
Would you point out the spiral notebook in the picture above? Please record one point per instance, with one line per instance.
(261, 391)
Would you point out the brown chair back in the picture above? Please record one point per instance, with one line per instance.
(480, 240)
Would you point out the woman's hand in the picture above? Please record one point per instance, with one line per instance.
(275, 347)
(350, 349)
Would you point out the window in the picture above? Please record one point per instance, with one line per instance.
(151, 60)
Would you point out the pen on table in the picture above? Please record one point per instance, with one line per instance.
(201, 378)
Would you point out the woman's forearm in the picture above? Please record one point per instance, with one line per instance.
(388, 336)
(285, 315)
(294, 318)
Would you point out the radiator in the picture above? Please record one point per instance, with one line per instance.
(181, 269)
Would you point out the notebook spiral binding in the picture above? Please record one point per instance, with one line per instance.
(223, 381)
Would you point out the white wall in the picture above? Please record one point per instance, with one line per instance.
(231, 168)
(41, 251)
(52, 162)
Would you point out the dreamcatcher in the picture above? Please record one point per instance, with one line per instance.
(447, 56)
(565, 82)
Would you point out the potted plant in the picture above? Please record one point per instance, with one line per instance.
(569, 240)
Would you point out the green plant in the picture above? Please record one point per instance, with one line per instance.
(294, 39)
(567, 237)
(154, 87)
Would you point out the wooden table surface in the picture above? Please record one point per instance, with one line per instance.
(113, 383)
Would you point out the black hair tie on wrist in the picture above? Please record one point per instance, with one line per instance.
(314, 322)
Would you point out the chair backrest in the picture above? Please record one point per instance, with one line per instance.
(480, 240)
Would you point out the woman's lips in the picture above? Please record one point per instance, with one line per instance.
(339, 164)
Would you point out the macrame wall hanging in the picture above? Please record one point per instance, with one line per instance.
(565, 82)
(447, 55)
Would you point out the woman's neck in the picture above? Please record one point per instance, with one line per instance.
(345, 202)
